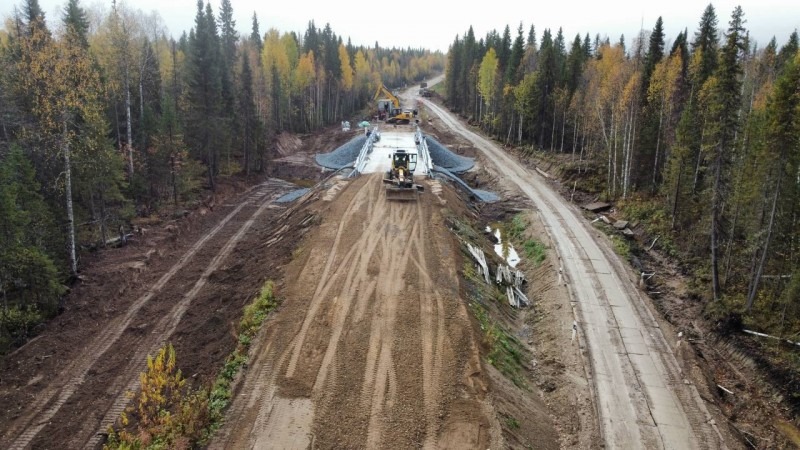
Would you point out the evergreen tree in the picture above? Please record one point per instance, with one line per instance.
(531, 41)
(454, 71)
(76, 21)
(587, 47)
(503, 49)
(652, 114)
(255, 35)
(29, 280)
(783, 131)
(204, 91)
(250, 123)
(228, 38)
(546, 85)
(33, 13)
(575, 62)
(513, 73)
(788, 51)
(655, 52)
(723, 112)
(706, 43)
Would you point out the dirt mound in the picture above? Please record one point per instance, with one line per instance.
(294, 154)
(288, 144)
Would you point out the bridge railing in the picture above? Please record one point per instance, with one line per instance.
(424, 153)
(366, 149)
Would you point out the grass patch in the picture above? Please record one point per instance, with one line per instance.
(511, 422)
(254, 315)
(505, 351)
(535, 251)
(166, 413)
(518, 226)
(621, 246)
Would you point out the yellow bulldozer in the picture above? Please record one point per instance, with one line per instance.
(399, 179)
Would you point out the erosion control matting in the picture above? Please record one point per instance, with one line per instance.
(444, 158)
(342, 156)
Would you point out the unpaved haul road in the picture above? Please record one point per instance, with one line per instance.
(55, 402)
(373, 346)
(642, 399)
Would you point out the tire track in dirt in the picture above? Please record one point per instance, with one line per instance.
(433, 333)
(167, 325)
(381, 383)
(50, 401)
(356, 355)
(263, 382)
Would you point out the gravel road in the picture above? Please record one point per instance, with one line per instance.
(643, 401)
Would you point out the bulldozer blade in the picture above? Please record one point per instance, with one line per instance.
(403, 194)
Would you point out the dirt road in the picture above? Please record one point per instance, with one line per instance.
(642, 399)
(373, 346)
(85, 393)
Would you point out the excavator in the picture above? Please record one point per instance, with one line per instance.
(389, 107)
(400, 178)
(388, 103)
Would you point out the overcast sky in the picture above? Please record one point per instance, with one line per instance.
(434, 25)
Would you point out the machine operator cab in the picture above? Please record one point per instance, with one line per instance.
(404, 160)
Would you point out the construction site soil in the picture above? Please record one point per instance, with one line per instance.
(373, 346)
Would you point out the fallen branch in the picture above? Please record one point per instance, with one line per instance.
(653, 244)
(543, 173)
(726, 390)
(756, 333)
(573, 191)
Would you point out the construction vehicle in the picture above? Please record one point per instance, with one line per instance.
(401, 118)
(388, 103)
(400, 178)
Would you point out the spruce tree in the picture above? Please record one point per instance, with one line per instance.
(655, 52)
(249, 117)
(788, 51)
(531, 41)
(706, 43)
(513, 73)
(204, 91)
(255, 35)
(724, 114)
(75, 19)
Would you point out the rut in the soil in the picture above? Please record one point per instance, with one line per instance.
(373, 345)
(92, 371)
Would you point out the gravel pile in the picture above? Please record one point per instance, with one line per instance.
(292, 196)
(484, 196)
(343, 156)
(442, 157)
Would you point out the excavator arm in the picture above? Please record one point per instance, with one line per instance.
(384, 92)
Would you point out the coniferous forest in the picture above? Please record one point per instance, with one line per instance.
(697, 136)
(104, 117)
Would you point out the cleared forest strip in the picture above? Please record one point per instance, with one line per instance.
(50, 401)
